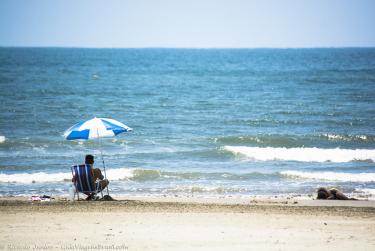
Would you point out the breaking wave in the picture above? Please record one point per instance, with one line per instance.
(331, 176)
(303, 154)
(137, 175)
(348, 137)
(39, 177)
(144, 175)
(285, 140)
(42, 177)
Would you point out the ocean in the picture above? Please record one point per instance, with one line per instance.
(206, 122)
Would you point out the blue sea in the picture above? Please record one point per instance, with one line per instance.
(206, 122)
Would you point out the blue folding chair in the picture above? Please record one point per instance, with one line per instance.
(83, 181)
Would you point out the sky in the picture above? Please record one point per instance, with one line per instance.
(187, 23)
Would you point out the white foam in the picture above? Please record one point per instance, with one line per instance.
(345, 137)
(120, 173)
(303, 154)
(39, 177)
(42, 177)
(2, 139)
(367, 191)
(332, 176)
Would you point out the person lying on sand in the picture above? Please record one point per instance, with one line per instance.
(331, 194)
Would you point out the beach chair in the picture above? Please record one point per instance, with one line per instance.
(83, 181)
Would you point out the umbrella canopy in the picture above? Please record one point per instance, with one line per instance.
(95, 128)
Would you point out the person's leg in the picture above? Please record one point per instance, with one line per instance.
(103, 184)
(340, 195)
(97, 174)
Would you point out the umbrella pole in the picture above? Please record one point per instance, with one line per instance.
(101, 154)
(105, 173)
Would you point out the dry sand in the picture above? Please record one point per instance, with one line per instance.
(187, 224)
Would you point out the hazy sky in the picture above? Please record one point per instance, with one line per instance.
(187, 23)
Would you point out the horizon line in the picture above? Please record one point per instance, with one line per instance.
(198, 48)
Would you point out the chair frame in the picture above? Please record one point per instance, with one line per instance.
(97, 188)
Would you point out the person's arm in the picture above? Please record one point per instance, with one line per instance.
(332, 197)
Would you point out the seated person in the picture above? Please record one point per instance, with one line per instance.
(331, 194)
(96, 175)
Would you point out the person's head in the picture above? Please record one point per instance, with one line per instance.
(323, 193)
(89, 159)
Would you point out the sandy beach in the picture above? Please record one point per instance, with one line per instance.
(187, 224)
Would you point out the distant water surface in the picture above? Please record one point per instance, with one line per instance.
(207, 122)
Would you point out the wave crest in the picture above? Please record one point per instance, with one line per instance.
(331, 176)
(303, 154)
(348, 137)
(137, 175)
(42, 177)
(287, 140)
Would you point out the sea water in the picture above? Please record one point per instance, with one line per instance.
(207, 122)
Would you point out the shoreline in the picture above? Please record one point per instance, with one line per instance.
(184, 204)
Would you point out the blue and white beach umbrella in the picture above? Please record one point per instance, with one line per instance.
(95, 128)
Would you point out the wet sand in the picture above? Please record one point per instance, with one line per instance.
(187, 224)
